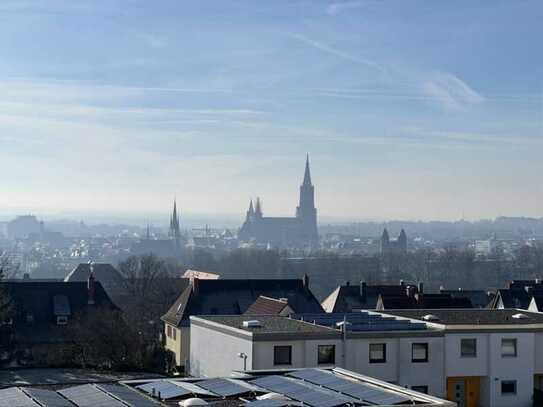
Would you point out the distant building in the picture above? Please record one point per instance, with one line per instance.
(391, 247)
(175, 231)
(299, 230)
(24, 226)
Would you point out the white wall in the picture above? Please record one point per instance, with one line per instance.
(358, 358)
(456, 365)
(214, 354)
(520, 368)
(304, 353)
(429, 374)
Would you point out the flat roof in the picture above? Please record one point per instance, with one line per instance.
(269, 324)
(472, 316)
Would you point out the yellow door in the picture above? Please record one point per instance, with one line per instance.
(464, 391)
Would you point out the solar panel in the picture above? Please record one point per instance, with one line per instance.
(228, 387)
(48, 398)
(170, 389)
(128, 395)
(14, 397)
(88, 395)
(362, 391)
(304, 392)
(362, 321)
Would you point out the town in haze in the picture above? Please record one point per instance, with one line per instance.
(271, 204)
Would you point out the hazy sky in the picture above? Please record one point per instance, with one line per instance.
(409, 109)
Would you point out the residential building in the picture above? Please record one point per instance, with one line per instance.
(518, 294)
(491, 357)
(40, 314)
(395, 350)
(421, 300)
(108, 276)
(228, 297)
(474, 357)
(349, 297)
(478, 298)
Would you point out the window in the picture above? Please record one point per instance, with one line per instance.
(282, 355)
(509, 387)
(468, 348)
(326, 354)
(29, 318)
(62, 320)
(419, 353)
(509, 347)
(168, 331)
(420, 389)
(378, 352)
(174, 331)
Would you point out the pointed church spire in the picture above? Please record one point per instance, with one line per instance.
(251, 209)
(258, 208)
(307, 173)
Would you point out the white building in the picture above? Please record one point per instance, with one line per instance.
(476, 357)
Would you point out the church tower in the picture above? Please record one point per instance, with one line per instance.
(175, 232)
(306, 211)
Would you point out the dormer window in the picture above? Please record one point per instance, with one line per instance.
(62, 320)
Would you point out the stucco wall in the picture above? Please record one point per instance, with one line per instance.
(214, 354)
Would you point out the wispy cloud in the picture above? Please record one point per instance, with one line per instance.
(451, 92)
(333, 51)
(339, 7)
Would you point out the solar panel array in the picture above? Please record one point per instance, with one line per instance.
(362, 391)
(88, 395)
(300, 391)
(170, 389)
(363, 321)
(14, 397)
(128, 395)
(47, 398)
(228, 387)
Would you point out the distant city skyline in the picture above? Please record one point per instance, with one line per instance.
(409, 110)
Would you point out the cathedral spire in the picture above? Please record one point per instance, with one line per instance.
(175, 232)
(251, 209)
(258, 208)
(307, 173)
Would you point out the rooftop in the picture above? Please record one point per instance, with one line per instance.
(472, 316)
(268, 324)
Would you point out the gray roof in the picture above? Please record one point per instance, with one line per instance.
(234, 297)
(472, 316)
(269, 324)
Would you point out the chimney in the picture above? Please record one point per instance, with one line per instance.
(363, 291)
(195, 283)
(421, 288)
(26, 276)
(410, 291)
(305, 281)
(90, 287)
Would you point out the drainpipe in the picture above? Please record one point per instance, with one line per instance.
(343, 326)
